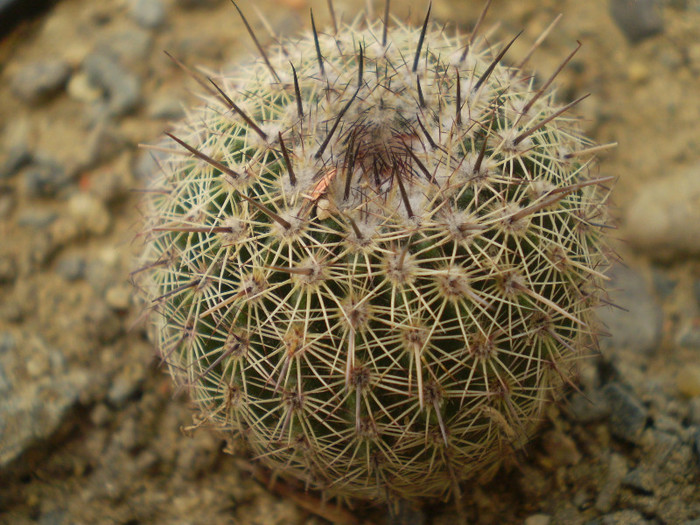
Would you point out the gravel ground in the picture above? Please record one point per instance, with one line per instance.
(90, 429)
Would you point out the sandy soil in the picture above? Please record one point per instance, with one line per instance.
(89, 429)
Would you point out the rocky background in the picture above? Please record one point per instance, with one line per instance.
(89, 429)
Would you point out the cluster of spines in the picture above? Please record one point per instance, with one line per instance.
(378, 301)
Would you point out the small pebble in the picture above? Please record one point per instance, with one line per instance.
(663, 220)
(589, 407)
(53, 517)
(128, 435)
(80, 89)
(103, 143)
(16, 147)
(627, 415)
(582, 499)
(5, 383)
(638, 19)
(688, 380)
(689, 335)
(8, 343)
(407, 513)
(694, 56)
(538, 519)
(623, 517)
(37, 218)
(118, 297)
(694, 411)
(100, 415)
(641, 480)
(16, 158)
(664, 284)
(165, 108)
(44, 178)
(666, 424)
(190, 4)
(7, 202)
(125, 384)
(696, 444)
(105, 324)
(102, 270)
(39, 80)
(148, 13)
(617, 470)
(638, 72)
(121, 87)
(90, 213)
(8, 267)
(639, 326)
(560, 450)
(130, 48)
(661, 451)
(71, 267)
(145, 165)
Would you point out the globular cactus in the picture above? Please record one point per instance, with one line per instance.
(372, 256)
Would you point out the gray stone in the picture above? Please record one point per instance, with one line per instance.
(36, 218)
(129, 47)
(661, 448)
(5, 383)
(627, 415)
(35, 411)
(664, 284)
(39, 80)
(665, 426)
(121, 87)
(44, 178)
(690, 335)
(638, 19)
(148, 13)
(104, 143)
(71, 267)
(8, 342)
(17, 157)
(53, 517)
(696, 445)
(144, 167)
(617, 469)
(16, 149)
(125, 384)
(694, 411)
(641, 480)
(639, 326)
(588, 408)
(43, 388)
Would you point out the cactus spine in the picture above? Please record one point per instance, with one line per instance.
(372, 255)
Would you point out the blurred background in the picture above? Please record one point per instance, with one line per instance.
(89, 429)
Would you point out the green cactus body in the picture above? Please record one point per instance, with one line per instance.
(376, 268)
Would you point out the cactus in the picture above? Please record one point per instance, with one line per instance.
(372, 256)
